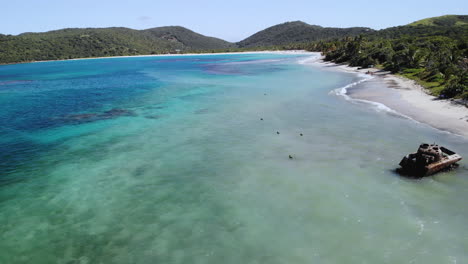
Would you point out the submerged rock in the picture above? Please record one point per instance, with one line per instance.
(79, 117)
(153, 116)
(202, 111)
(116, 112)
(91, 117)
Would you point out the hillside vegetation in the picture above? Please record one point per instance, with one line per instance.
(101, 42)
(434, 56)
(448, 20)
(297, 32)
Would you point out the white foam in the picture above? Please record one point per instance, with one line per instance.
(421, 227)
(343, 92)
(315, 57)
(380, 107)
(453, 259)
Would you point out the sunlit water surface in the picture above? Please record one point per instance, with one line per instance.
(167, 160)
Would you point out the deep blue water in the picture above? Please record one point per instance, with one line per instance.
(47, 95)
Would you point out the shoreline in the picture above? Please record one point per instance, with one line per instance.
(171, 55)
(395, 93)
(404, 96)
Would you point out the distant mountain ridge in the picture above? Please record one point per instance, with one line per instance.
(447, 20)
(297, 32)
(72, 43)
(102, 42)
(167, 37)
(188, 38)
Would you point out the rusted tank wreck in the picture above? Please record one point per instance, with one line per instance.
(429, 159)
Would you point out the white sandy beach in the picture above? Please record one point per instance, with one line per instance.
(408, 98)
(180, 54)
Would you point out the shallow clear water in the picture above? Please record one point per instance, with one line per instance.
(166, 160)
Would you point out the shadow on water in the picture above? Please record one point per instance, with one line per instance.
(153, 116)
(399, 172)
(404, 174)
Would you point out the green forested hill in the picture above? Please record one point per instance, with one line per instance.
(434, 55)
(448, 20)
(100, 42)
(297, 32)
(188, 39)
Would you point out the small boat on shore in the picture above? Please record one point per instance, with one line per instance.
(429, 159)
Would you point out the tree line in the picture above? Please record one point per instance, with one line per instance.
(436, 57)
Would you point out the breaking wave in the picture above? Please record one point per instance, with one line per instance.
(379, 107)
(343, 92)
(310, 59)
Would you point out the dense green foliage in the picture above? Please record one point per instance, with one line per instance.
(434, 56)
(433, 52)
(297, 32)
(189, 39)
(102, 42)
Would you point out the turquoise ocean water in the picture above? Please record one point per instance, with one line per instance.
(167, 160)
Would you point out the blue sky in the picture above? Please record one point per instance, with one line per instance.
(230, 20)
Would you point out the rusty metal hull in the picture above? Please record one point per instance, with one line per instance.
(429, 159)
(443, 164)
